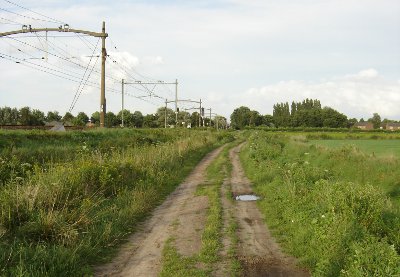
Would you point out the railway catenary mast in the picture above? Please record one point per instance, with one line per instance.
(65, 28)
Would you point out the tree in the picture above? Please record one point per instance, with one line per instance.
(110, 120)
(95, 118)
(375, 120)
(68, 118)
(128, 118)
(137, 119)
(37, 118)
(161, 116)
(53, 116)
(351, 122)
(281, 114)
(9, 116)
(184, 118)
(25, 116)
(150, 121)
(81, 119)
(268, 120)
(256, 119)
(194, 119)
(240, 117)
(333, 119)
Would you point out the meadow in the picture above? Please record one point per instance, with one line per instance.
(329, 203)
(382, 148)
(68, 199)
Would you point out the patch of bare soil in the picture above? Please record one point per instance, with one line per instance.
(259, 253)
(182, 212)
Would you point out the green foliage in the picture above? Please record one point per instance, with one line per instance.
(61, 214)
(53, 116)
(308, 113)
(376, 120)
(240, 117)
(329, 207)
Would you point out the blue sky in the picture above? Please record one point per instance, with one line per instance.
(229, 53)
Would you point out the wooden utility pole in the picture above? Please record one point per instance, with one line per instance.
(122, 108)
(103, 76)
(176, 102)
(165, 114)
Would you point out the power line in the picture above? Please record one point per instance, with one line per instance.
(78, 93)
(29, 17)
(71, 71)
(54, 20)
(60, 57)
(38, 67)
(9, 20)
(49, 36)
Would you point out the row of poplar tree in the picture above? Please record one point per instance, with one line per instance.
(307, 113)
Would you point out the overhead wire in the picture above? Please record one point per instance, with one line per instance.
(29, 17)
(59, 56)
(12, 21)
(42, 58)
(78, 91)
(19, 6)
(60, 73)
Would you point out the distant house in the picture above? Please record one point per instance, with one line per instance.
(392, 126)
(364, 125)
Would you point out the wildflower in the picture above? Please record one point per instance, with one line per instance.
(323, 216)
(306, 153)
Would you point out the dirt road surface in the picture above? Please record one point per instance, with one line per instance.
(141, 255)
(183, 216)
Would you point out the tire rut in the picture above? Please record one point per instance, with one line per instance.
(258, 252)
(141, 255)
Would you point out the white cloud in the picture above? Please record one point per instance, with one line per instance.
(217, 49)
(364, 74)
(157, 60)
(357, 95)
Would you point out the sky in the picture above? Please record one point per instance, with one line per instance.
(228, 53)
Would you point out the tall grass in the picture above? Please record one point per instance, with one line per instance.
(332, 208)
(59, 218)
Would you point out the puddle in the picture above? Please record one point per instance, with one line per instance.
(247, 197)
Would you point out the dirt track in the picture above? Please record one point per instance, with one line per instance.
(259, 253)
(183, 215)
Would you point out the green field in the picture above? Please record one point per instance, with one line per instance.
(385, 147)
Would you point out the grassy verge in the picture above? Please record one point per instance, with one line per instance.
(322, 207)
(57, 220)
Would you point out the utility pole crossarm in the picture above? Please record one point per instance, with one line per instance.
(61, 30)
(148, 83)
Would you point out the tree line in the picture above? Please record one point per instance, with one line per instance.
(306, 113)
(34, 117)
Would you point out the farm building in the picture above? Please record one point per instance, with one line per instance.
(364, 125)
(392, 126)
